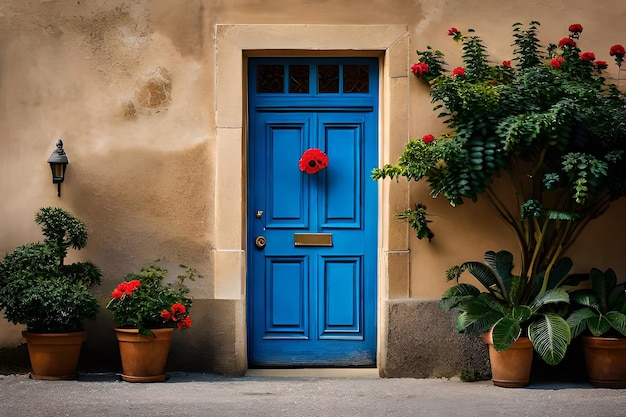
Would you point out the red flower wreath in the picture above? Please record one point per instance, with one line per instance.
(313, 160)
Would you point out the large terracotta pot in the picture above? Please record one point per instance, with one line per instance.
(606, 361)
(144, 358)
(510, 368)
(54, 356)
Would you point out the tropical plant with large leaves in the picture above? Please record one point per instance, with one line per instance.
(513, 306)
(601, 309)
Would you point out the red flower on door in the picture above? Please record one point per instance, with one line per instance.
(313, 160)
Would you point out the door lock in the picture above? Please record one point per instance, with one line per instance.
(260, 242)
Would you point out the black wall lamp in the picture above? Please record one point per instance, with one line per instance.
(58, 163)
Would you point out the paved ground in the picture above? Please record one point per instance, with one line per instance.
(315, 395)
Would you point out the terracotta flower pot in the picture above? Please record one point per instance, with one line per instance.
(510, 368)
(606, 361)
(54, 356)
(144, 358)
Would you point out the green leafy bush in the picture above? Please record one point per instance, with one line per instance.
(36, 287)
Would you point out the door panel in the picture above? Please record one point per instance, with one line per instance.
(312, 304)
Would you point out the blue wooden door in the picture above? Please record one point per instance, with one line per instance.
(312, 238)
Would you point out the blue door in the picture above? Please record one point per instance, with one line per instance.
(312, 237)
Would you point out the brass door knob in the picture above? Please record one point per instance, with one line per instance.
(260, 242)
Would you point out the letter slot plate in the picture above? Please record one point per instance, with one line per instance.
(313, 239)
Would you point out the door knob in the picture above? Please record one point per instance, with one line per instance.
(260, 242)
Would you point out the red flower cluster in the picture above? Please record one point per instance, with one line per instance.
(428, 138)
(601, 64)
(617, 50)
(587, 56)
(453, 31)
(576, 29)
(178, 314)
(419, 69)
(567, 42)
(126, 287)
(313, 160)
(506, 64)
(458, 71)
(556, 62)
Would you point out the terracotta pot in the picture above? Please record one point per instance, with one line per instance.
(144, 358)
(510, 368)
(606, 361)
(54, 356)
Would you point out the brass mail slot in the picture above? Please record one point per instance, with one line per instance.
(313, 239)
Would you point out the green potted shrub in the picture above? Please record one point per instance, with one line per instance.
(146, 310)
(599, 317)
(52, 299)
(548, 125)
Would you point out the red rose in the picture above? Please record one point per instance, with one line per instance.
(419, 69)
(617, 50)
(556, 62)
(601, 64)
(458, 71)
(576, 28)
(567, 42)
(506, 64)
(313, 160)
(587, 56)
(428, 138)
(453, 31)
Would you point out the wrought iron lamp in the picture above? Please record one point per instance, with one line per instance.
(58, 164)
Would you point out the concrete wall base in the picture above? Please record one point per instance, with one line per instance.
(423, 343)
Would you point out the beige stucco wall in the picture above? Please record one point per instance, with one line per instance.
(148, 97)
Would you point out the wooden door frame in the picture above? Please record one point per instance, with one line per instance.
(233, 44)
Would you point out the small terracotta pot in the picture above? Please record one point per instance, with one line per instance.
(54, 356)
(510, 368)
(606, 361)
(144, 358)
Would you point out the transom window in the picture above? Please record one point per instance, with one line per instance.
(313, 79)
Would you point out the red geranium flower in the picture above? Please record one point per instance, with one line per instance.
(556, 62)
(178, 310)
(506, 64)
(601, 64)
(313, 160)
(567, 42)
(453, 31)
(117, 293)
(419, 69)
(576, 29)
(617, 50)
(587, 56)
(458, 71)
(166, 315)
(186, 322)
(428, 138)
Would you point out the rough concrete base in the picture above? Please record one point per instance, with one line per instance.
(422, 343)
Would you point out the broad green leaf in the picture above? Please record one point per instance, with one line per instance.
(617, 320)
(550, 336)
(577, 321)
(505, 333)
(557, 295)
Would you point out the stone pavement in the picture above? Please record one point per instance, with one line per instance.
(300, 394)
